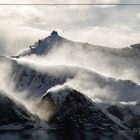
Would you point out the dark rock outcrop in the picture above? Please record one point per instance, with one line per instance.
(71, 109)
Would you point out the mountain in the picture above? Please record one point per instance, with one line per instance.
(43, 46)
(76, 112)
(55, 40)
(72, 109)
(88, 102)
(112, 62)
(36, 80)
(26, 77)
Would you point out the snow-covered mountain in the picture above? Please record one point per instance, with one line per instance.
(43, 46)
(72, 95)
(55, 40)
(37, 82)
(72, 109)
(112, 62)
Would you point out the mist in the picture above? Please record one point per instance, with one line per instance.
(99, 72)
(85, 78)
(117, 63)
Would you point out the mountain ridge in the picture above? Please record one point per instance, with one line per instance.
(43, 46)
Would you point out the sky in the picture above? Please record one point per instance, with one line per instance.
(112, 26)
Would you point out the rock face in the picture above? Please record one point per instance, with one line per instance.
(128, 114)
(54, 33)
(37, 82)
(71, 109)
(14, 114)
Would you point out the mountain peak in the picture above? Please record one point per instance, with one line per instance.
(54, 33)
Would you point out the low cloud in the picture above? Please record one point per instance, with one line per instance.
(117, 36)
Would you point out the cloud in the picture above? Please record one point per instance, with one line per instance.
(15, 38)
(117, 36)
(138, 15)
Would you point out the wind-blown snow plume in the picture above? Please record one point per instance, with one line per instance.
(118, 63)
(84, 67)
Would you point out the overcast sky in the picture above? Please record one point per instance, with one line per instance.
(113, 26)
